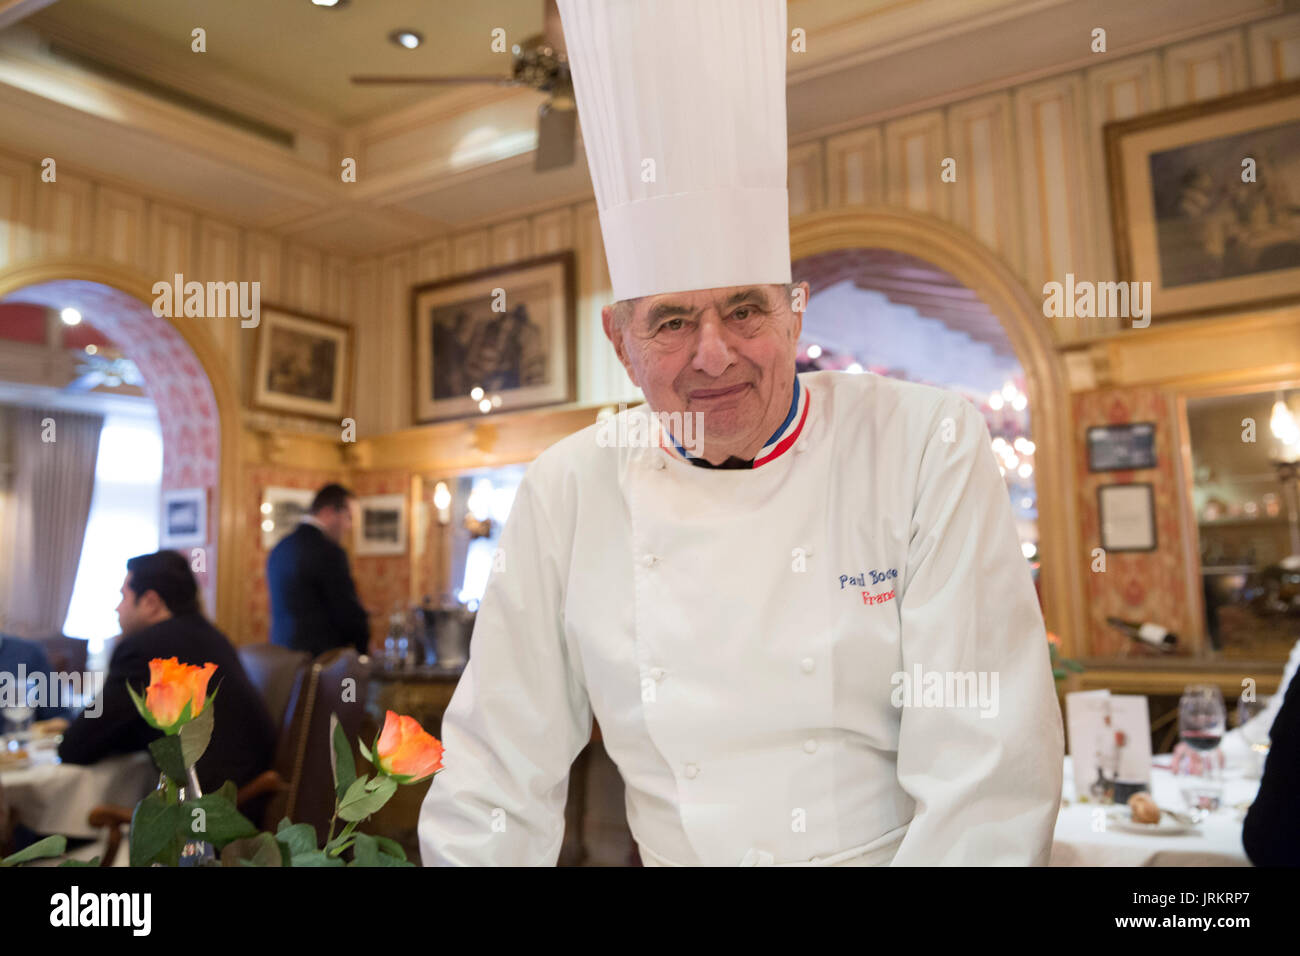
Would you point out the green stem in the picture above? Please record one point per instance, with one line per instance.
(342, 840)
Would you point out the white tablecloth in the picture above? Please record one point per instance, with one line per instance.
(50, 797)
(1216, 841)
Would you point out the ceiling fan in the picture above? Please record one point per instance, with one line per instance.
(539, 62)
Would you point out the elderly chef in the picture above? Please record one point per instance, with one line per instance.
(811, 638)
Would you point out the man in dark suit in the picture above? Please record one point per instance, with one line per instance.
(314, 605)
(159, 616)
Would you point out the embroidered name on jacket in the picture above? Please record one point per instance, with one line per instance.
(859, 582)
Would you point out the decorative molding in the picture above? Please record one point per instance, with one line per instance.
(915, 148)
(804, 172)
(1274, 50)
(986, 195)
(1204, 69)
(855, 168)
(120, 228)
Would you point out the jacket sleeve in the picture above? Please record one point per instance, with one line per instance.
(338, 596)
(985, 777)
(519, 716)
(112, 725)
(1269, 833)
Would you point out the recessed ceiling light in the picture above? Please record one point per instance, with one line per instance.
(70, 316)
(406, 38)
(329, 3)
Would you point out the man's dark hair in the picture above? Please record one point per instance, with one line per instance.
(331, 496)
(168, 575)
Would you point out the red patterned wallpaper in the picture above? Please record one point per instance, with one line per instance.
(382, 579)
(1138, 586)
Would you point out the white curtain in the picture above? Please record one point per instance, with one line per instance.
(54, 455)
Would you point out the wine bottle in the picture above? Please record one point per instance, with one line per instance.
(1154, 635)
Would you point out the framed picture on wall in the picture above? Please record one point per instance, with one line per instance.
(1127, 517)
(302, 365)
(496, 340)
(280, 510)
(1205, 202)
(381, 524)
(1127, 447)
(184, 518)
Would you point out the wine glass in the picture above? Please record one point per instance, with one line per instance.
(1202, 719)
(18, 714)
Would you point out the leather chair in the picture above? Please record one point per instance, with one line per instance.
(66, 654)
(311, 786)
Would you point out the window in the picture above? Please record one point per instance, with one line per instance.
(123, 522)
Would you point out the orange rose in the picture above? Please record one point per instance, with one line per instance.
(405, 749)
(172, 685)
(1052, 638)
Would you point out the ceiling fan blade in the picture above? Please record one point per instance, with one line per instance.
(432, 80)
(557, 134)
(552, 28)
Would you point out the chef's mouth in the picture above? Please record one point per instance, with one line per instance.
(708, 394)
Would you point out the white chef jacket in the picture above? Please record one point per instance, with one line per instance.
(744, 683)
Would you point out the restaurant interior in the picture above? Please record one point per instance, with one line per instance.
(947, 163)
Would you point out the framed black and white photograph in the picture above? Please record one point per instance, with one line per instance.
(303, 365)
(1204, 201)
(281, 509)
(1127, 517)
(1129, 447)
(496, 340)
(381, 524)
(184, 518)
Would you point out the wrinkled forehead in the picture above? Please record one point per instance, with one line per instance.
(688, 303)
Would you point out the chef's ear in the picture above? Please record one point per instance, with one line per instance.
(615, 335)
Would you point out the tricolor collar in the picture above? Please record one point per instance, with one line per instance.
(780, 442)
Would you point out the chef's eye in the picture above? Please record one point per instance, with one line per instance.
(744, 312)
(672, 325)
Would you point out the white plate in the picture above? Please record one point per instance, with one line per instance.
(1167, 826)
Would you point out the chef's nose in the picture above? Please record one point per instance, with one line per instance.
(713, 355)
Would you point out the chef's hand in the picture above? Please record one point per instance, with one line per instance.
(1195, 763)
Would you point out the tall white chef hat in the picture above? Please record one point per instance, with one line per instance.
(682, 104)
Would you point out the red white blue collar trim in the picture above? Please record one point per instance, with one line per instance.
(776, 446)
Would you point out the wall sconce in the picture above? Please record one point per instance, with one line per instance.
(442, 501)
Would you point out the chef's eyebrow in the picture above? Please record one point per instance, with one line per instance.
(668, 310)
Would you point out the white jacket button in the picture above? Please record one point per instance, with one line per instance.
(658, 461)
(809, 745)
(657, 673)
(691, 771)
(807, 664)
(649, 560)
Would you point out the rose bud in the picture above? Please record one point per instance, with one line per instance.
(405, 751)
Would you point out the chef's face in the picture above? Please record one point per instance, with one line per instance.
(727, 353)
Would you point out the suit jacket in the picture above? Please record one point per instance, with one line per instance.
(15, 651)
(1269, 833)
(314, 604)
(243, 737)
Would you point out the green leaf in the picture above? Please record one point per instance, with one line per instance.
(315, 858)
(366, 852)
(1057, 673)
(94, 861)
(300, 838)
(261, 850)
(365, 751)
(40, 850)
(156, 834)
(1074, 666)
(341, 762)
(365, 797)
(391, 847)
(144, 711)
(224, 823)
(196, 734)
(168, 754)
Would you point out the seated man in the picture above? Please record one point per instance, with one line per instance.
(160, 617)
(21, 658)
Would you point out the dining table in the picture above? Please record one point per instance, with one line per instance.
(1086, 834)
(51, 797)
